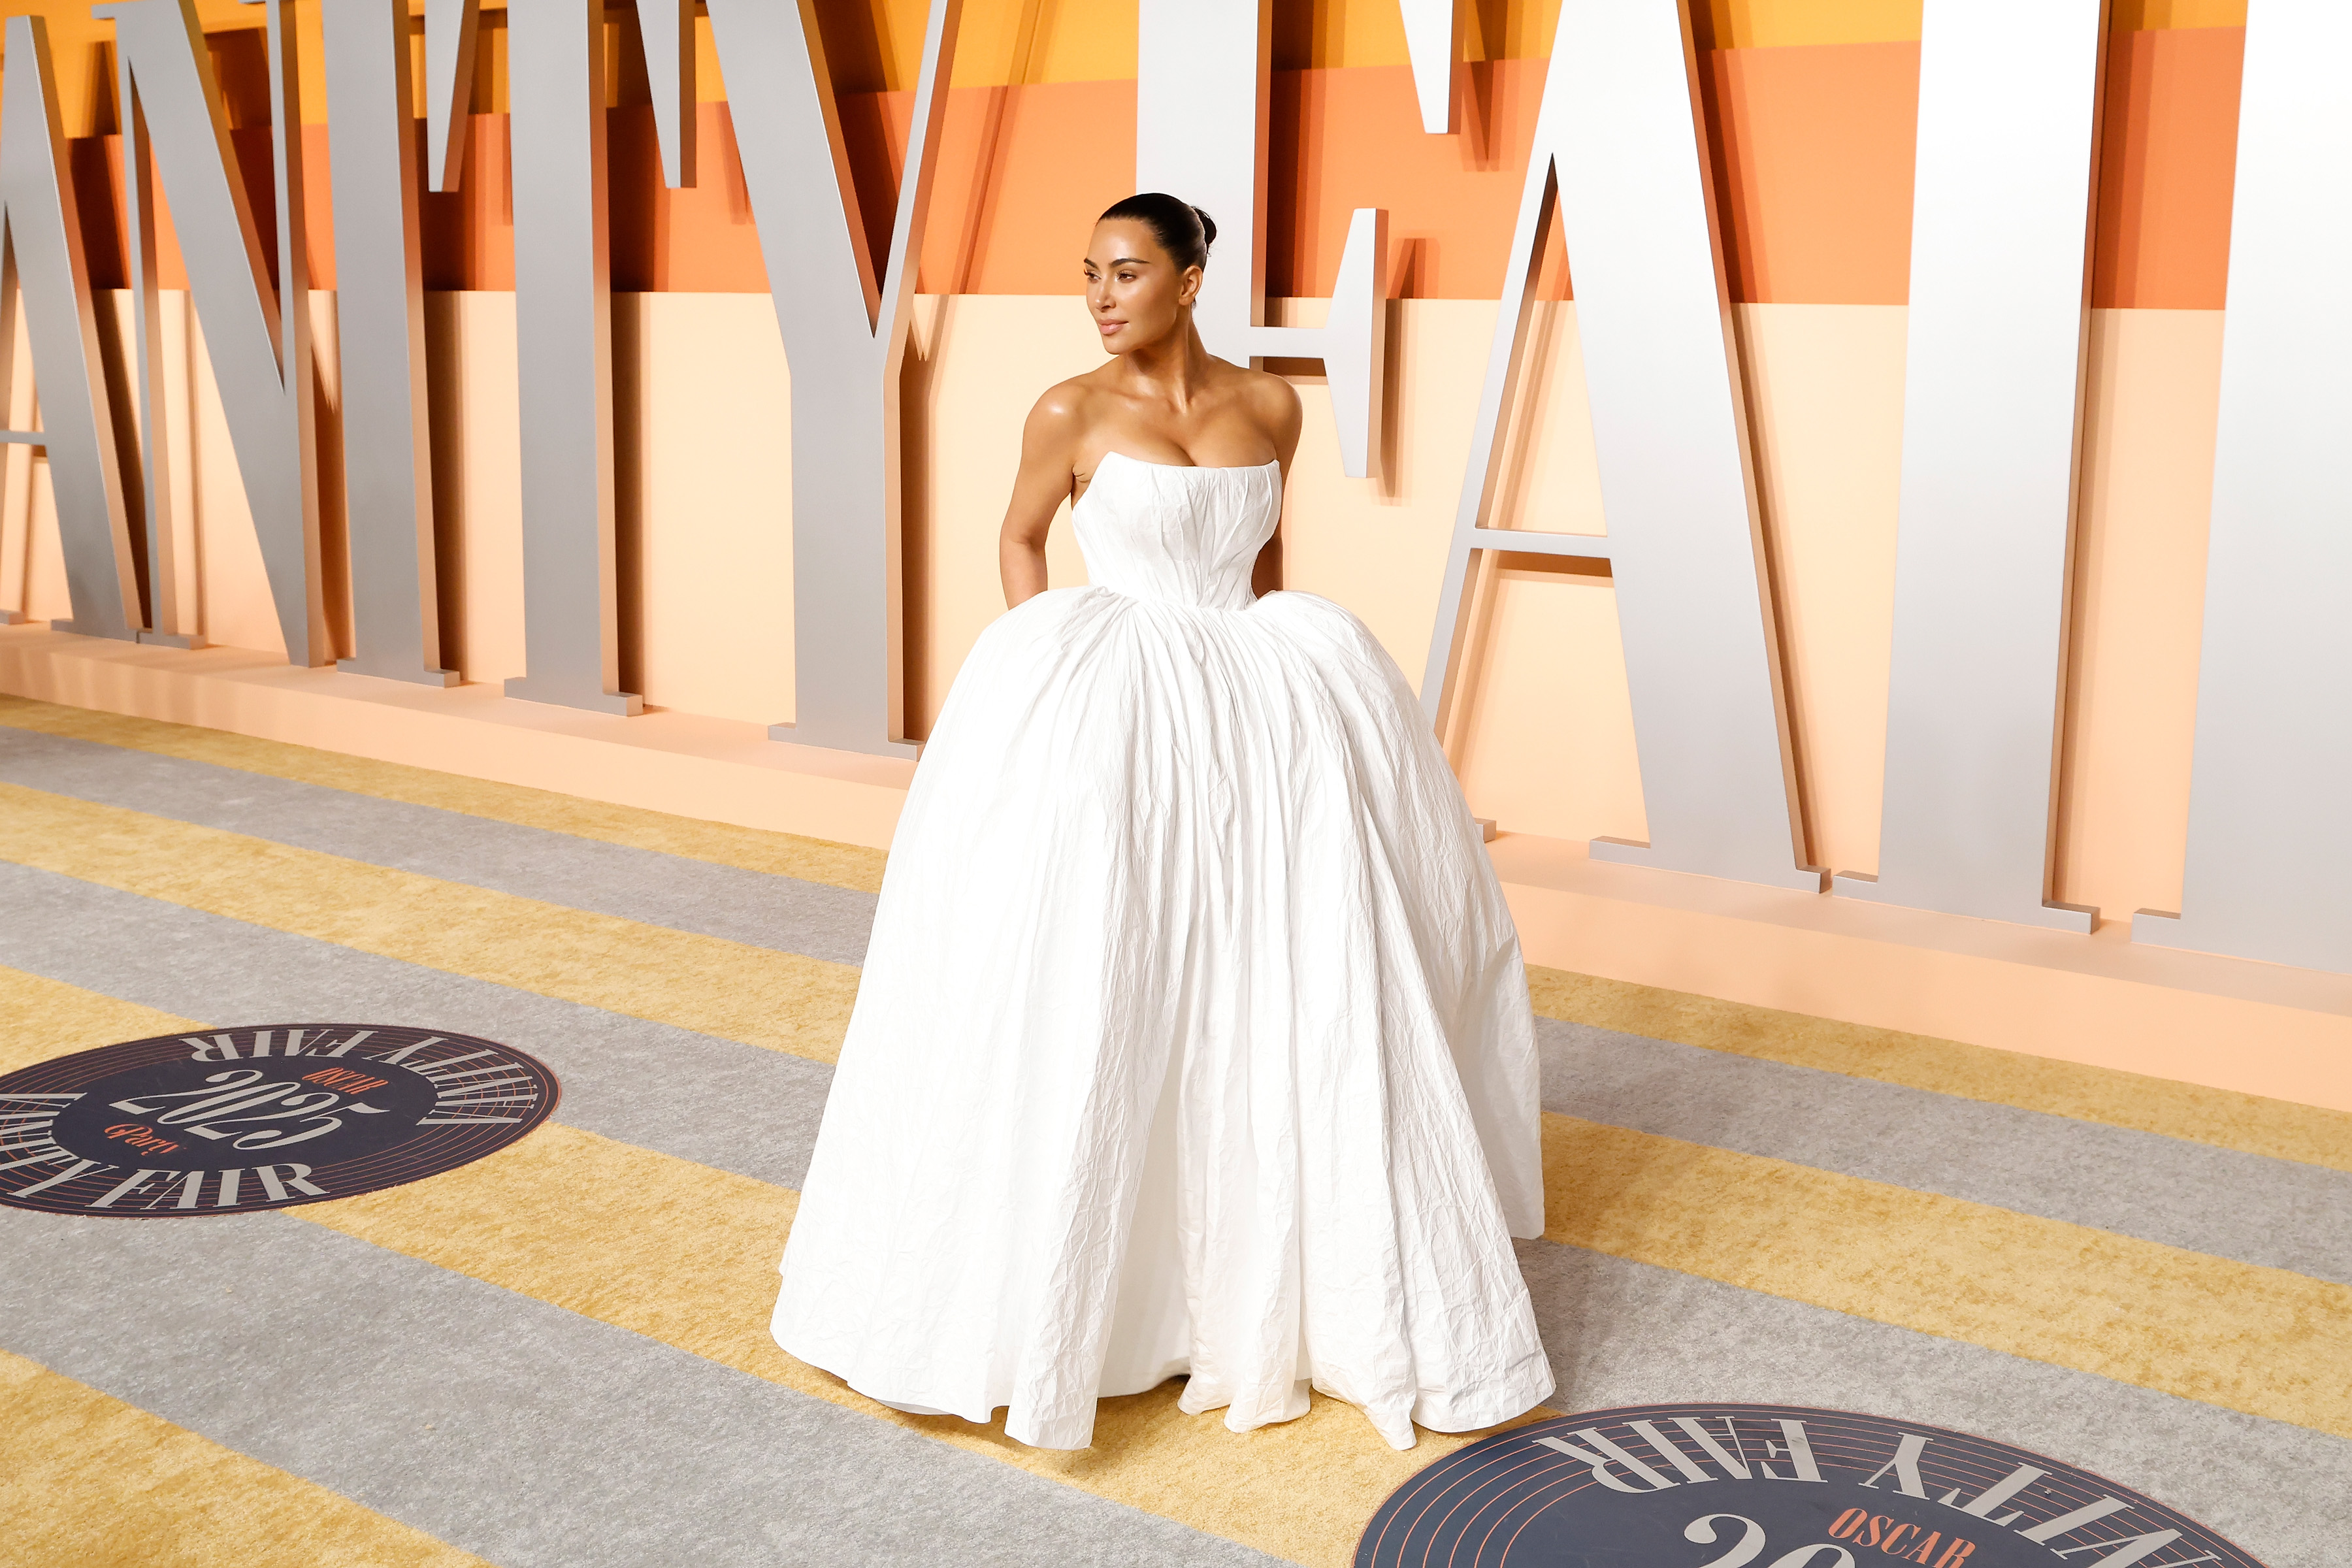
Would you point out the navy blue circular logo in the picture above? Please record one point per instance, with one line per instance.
(1770, 1485)
(230, 1120)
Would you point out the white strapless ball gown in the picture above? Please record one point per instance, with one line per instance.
(1193, 1035)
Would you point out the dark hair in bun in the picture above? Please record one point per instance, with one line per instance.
(1184, 230)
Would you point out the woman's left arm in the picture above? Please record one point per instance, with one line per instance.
(1284, 418)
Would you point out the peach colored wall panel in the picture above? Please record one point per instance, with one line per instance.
(1827, 394)
(2139, 593)
(706, 537)
(1378, 546)
(1547, 745)
(476, 482)
(1810, 106)
(1550, 472)
(2167, 161)
(45, 595)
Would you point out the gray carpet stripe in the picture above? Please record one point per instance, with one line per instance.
(813, 919)
(1622, 1332)
(1619, 1332)
(754, 1112)
(2276, 1213)
(734, 1107)
(518, 1431)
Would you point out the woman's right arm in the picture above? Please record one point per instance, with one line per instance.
(1048, 453)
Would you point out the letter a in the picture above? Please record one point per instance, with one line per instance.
(42, 230)
(1617, 139)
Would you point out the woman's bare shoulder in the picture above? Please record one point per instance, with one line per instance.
(1063, 412)
(1273, 403)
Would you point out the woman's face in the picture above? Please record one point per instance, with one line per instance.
(1134, 287)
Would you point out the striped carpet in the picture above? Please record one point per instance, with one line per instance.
(559, 1355)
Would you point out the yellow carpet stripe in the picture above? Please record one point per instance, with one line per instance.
(686, 1254)
(752, 994)
(2251, 1124)
(783, 854)
(2265, 1342)
(40, 1018)
(89, 1481)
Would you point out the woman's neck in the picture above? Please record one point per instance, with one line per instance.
(1176, 368)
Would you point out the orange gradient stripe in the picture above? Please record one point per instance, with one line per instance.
(1812, 142)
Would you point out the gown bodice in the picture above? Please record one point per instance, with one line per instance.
(1187, 536)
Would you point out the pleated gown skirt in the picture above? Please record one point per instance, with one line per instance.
(1193, 1035)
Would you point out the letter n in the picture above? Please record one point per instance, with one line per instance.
(379, 336)
(256, 333)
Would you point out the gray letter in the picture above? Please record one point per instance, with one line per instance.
(2009, 103)
(1617, 139)
(667, 28)
(380, 323)
(564, 350)
(1608, 1454)
(259, 337)
(845, 336)
(451, 29)
(42, 229)
(2269, 843)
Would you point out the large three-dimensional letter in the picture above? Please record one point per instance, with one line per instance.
(1617, 143)
(563, 354)
(563, 306)
(844, 337)
(259, 336)
(1199, 134)
(380, 326)
(2269, 840)
(2009, 103)
(1432, 41)
(40, 251)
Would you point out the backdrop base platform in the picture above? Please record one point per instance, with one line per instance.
(2102, 1001)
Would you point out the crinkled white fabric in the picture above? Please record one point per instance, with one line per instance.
(1193, 1035)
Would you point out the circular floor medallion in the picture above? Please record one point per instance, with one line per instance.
(1770, 1485)
(230, 1120)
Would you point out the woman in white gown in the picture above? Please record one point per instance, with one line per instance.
(1193, 1037)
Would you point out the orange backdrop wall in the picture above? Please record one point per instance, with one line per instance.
(1809, 117)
